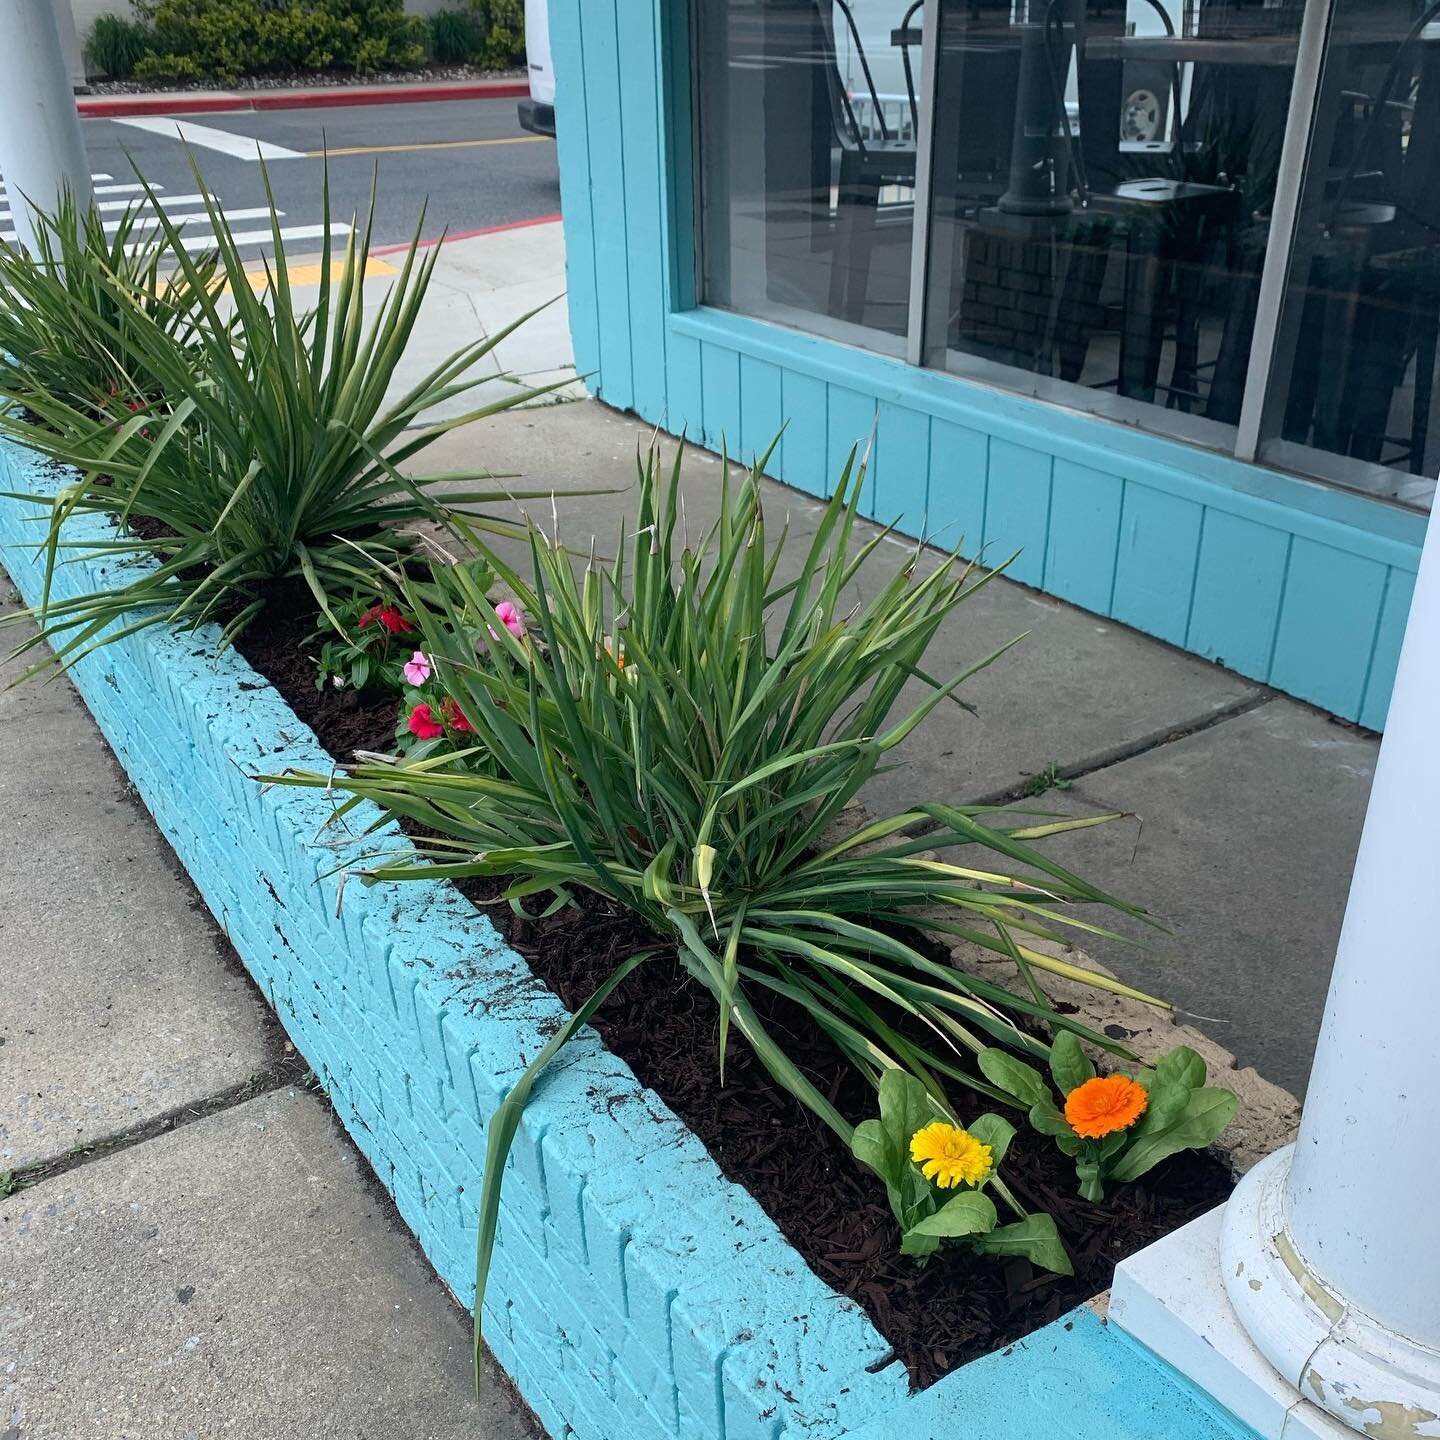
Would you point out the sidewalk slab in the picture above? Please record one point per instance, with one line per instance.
(239, 1276)
(481, 285)
(1077, 687)
(1243, 845)
(123, 1000)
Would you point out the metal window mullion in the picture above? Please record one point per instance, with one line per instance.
(924, 172)
(1284, 215)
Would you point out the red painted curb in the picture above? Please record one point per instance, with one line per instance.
(469, 234)
(109, 106)
(391, 95)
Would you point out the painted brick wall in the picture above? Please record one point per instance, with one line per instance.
(1291, 583)
(635, 1292)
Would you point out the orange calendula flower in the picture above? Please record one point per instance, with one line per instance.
(1104, 1105)
(950, 1156)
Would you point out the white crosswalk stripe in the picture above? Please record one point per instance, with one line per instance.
(167, 202)
(263, 237)
(98, 175)
(242, 147)
(184, 211)
(146, 224)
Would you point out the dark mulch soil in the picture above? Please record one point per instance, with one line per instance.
(831, 1209)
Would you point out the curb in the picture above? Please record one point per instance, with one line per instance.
(111, 106)
(452, 236)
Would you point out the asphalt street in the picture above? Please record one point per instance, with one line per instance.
(466, 163)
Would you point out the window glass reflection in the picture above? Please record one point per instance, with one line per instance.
(808, 124)
(1352, 397)
(1104, 175)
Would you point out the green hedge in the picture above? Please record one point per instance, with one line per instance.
(116, 46)
(489, 33)
(225, 39)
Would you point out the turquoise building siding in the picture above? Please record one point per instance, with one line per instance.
(1286, 581)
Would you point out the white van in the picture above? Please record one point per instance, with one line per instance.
(537, 112)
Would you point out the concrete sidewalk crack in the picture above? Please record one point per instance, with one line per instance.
(1156, 740)
(290, 1072)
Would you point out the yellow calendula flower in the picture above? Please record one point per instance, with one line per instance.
(950, 1156)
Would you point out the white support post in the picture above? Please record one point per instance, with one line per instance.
(41, 151)
(1311, 1301)
(1331, 1252)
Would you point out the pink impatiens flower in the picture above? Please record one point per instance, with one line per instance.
(510, 617)
(423, 725)
(417, 668)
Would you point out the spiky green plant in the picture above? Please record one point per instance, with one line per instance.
(72, 312)
(679, 733)
(276, 455)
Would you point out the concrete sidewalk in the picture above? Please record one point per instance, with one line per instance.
(483, 284)
(189, 1244)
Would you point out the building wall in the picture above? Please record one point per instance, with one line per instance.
(87, 11)
(1295, 584)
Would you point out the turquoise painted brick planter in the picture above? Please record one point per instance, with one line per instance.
(636, 1293)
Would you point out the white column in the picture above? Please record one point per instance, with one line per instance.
(1330, 1250)
(41, 152)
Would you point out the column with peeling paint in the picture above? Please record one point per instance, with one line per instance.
(41, 150)
(1331, 1250)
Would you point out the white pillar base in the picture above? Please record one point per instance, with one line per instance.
(1170, 1297)
(1183, 1299)
(1368, 1377)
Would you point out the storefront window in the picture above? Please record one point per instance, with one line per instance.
(1102, 187)
(1352, 393)
(1105, 225)
(808, 148)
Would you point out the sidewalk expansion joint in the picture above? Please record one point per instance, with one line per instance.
(291, 1072)
(1156, 740)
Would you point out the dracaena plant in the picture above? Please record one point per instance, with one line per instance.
(678, 731)
(276, 455)
(70, 309)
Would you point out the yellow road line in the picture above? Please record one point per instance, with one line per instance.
(426, 145)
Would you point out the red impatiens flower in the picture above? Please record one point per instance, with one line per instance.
(389, 617)
(454, 717)
(423, 725)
